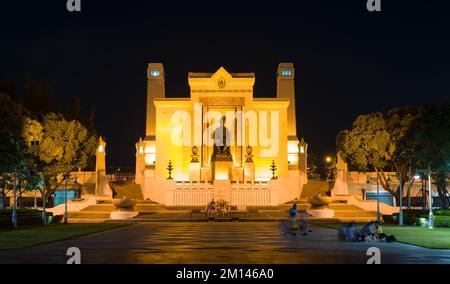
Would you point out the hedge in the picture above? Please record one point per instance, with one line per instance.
(419, 217)
(24, 217)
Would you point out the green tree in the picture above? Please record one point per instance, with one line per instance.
(380, 143)
(12, 144)
(431, 140)
(65, 146)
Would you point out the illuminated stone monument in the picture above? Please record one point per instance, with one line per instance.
(221, 141)
(101, 186)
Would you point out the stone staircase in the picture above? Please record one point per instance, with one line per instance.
(151, 212)
(346, 213)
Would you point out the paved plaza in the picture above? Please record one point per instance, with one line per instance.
(219, 243)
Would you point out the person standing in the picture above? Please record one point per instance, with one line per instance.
(293, 217)
(304, 226)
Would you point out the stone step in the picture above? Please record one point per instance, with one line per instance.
(354, 213)
(79, 215)
(337, 206)
(99, 207)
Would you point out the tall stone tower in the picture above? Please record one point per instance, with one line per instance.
(146, 149)
(297, 150)
(286, 90)
(155, 89)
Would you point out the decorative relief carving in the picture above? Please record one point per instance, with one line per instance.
(211, 101)
(221, 83)
(221, 91)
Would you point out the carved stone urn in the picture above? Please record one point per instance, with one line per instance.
(124, 209)
(319, 206)
(319, 201)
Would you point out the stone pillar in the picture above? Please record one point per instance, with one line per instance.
(303, 156)
(140, 163)
(194, 166)
(249, 166)
(341, 185)
(101, 185)
(100, 155)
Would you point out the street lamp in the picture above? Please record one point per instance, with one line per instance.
(44, 214)
(418, 176)
(378, 197)
(35, 144)
(400, 214)
(327, 170)
(66, 216)
(14, 213)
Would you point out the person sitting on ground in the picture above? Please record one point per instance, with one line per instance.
(342, 232)
(347, 232)
(351, 232)
(368, 232)
(382, 236)
(293, 216)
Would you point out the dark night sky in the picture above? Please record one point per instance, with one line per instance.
(348, 61)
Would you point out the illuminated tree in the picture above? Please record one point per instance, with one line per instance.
(380, 143)
(65, 146)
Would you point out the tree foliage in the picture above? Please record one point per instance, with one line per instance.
(402, 139)
(431, 138)
(65, 146)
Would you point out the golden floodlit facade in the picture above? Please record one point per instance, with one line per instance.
(221, 142)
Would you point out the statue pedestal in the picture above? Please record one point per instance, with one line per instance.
(194, 171)
(123, 215)
(249, 171)
(222, 190)
(222, 170)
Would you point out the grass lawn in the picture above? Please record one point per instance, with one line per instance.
(438, 238)
(27, 237)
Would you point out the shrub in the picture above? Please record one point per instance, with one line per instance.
(420, 218)
(24, 217)
(442, 221)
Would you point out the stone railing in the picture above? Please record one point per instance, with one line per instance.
(190, 194)
(256, 194)
(186, 193)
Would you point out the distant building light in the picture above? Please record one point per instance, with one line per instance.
(286, 73)
(155, 73)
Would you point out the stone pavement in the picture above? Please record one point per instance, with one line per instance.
(219, 243)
